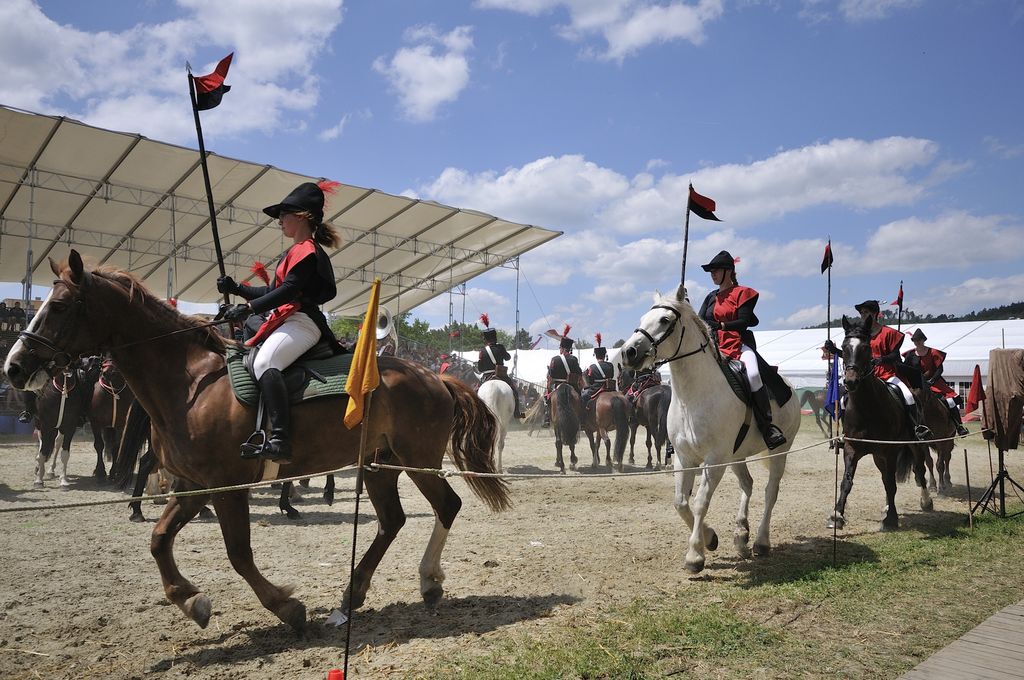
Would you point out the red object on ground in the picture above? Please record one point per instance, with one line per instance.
(335, 674)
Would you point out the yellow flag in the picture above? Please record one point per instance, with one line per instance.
(363, 377)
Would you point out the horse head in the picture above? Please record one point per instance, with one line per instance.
(856, 352)
(59, 332)
(661, 335)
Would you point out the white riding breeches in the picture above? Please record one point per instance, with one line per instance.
(288, 342)
(749, 359)
(908, 397)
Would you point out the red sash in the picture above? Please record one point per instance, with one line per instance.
(887, 341)
(295, 254)
(726, 304)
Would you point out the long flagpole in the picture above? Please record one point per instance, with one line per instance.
(833, 425)
(899, 314)
(686, 240)
(206, 175)
(355, 525)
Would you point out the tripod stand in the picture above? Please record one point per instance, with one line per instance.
(990, 493)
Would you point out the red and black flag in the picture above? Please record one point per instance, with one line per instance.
(702, 206)
(211, 88)
(826, 260)
(899, 298)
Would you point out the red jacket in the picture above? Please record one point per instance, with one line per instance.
(887, 341)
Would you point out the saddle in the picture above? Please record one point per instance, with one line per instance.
(317, 373)
(736, 375)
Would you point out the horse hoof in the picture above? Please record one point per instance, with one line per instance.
(137, 517)
(572, 466)
(633, 462)
(198, 608)
(206, 513)
(37, 485)
(293, 613)
(694, 566)
(292, 513)
(929, 506)
(835, 523)
(761, 550)
(432, 596)
(933, 488)
(886, 528)
(649, 466)
(50, 475)
(329, 498)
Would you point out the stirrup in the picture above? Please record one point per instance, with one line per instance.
(961, 430)
(254, 445)
(24, 417)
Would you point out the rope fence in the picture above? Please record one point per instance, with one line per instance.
(453, 472)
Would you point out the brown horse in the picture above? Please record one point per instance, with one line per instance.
(939, 421)
(609, 411)
(565, 422)
(815, 400)
(873, 412)
(176, 367)
(651, 411)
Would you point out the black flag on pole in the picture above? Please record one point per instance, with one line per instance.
(826, 260)
(702, 206)
(211, 88)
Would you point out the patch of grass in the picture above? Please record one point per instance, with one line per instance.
(892, 600)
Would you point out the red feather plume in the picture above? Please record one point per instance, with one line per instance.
(597, 336)
(486, 320)
(260, 270)
(328, 186)
(565, 331)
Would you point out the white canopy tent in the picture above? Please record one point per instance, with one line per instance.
(797, 353)
(140, 204)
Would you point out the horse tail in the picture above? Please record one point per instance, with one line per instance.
(474, 430)
(905, 463)
(136, 431)
(621, 421)
(568, 420)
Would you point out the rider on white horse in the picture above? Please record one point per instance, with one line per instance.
(490, 363)
(729, 310)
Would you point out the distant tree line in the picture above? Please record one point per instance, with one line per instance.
(889, 315)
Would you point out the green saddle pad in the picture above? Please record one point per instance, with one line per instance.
(302, 378)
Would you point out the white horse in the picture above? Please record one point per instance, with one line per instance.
(502, 403)
(704, 421)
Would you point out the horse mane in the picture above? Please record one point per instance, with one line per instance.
(687, 313)
(159, 309)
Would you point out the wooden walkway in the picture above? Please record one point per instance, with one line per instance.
(992, 651)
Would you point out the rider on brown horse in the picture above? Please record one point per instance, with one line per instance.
(929, 361)
(304, 279)
(599, 377)
(564, 368)
(491, 362)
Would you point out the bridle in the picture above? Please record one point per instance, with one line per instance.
(860, 373)
(655, 342)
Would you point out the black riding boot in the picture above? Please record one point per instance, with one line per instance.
(547, 413)
(921, 431)
(954, 413)
(773, 436)
(519, 411)
(275, 397)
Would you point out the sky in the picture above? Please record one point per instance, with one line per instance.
(892, 127)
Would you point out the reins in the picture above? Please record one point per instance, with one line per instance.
(655, 342)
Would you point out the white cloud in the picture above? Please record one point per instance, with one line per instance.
(627, 26)
(807, 316)
(334, 131)
(863, 10)
(423, 79)
(854, 173)
(927, 244)
(1002, 150)
(133, 79)
(971, 295)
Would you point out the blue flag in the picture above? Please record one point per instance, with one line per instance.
(832, 389)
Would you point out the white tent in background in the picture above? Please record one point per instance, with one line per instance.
(797, 353)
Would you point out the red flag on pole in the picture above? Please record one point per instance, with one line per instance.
(211, 88)
(826, 260)
(899, 297)
(977, 393)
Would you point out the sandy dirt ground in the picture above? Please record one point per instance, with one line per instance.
(80, 596)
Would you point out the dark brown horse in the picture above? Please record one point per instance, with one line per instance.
(873, 412)
(198, 425)
(939, 421)
(651, 411)
(815, 400)
(609, 411)
(565, 422)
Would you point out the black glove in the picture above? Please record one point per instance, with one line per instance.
(236, 312)
(876, 361)
(226, 284)
(831, 348)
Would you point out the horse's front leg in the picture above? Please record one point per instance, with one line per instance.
(177, 588)
(65, 457)
(233, 512)
(46, 442)
(763, 542)
(741, 533)
(595, 450)
(922, 454)
(837, 520)
(104, 440)
(329, 490)
(710, 477)
(633, 425)
(931, 472)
